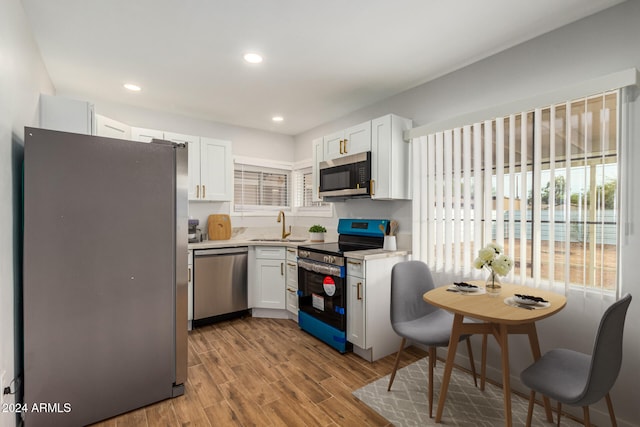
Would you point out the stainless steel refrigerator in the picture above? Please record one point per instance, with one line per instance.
(105, 276)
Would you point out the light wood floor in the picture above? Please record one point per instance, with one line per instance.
(267, 372)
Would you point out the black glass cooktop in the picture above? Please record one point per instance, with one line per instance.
(346, 243)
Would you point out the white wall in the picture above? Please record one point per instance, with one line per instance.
(22, 78)
(598, 45)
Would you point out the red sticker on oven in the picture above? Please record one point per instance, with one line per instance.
(329, 286)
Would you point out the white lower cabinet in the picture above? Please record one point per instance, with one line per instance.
(356, 311)
(292, 281)
(269, 277)
(368, 310)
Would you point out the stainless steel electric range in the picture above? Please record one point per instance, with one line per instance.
(322, 278)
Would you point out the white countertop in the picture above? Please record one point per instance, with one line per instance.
(375, 254)
(236, 242)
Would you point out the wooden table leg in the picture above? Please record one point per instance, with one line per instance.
(535, 351)
(483, 368)
(506, 383)
(451, 354)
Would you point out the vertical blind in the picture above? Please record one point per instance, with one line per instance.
(543, 184)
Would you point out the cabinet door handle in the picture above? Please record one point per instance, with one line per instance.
(290, 264)
(359, 290)
(341, 149)
(197, 191)
(291, 290)
(345, 146)
(204, 192)
(372, 191)
(189, 274)
(354, 262)
(282, 268)
(318, 191)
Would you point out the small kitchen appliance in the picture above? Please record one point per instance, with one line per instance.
(322, 283)
(193, 231)
(346, 177)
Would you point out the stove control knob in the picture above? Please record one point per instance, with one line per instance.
(332, 259)
(325, 258)
(304, 254)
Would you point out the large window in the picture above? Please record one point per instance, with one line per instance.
(258, 188)
(544, 184)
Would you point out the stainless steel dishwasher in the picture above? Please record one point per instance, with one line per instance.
(219, 284)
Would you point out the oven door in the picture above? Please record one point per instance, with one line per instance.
(321, 292)
(346, 176)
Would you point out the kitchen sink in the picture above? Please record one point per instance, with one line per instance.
(277, 240)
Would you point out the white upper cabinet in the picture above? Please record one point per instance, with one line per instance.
(210, 167)
(145, 135)
(193, 143)
(355, 139)
(390, 155)
(216, 170)
(317, 157)
(67, 115)
(112, 128)
(390, 158)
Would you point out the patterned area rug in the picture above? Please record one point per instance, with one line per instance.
(406, 404)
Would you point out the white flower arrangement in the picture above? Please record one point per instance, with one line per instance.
(492, 258)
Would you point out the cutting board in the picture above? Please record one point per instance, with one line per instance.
(219, 227)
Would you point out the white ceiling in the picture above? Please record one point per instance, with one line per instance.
(323, 58)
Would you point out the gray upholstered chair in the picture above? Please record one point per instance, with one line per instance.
(414, 319)
(577, 379)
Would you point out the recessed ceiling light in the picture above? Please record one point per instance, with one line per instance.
(253, 58)
(132, 87)
(277, 118)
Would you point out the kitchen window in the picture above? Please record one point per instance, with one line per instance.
(303, 194)
(257, 188)
(544, 184)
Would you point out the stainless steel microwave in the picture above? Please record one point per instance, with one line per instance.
(347, 176)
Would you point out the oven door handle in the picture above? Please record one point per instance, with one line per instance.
(316, 267)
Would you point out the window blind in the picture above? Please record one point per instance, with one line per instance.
(257, 188)
(543, 184)
(303, 183)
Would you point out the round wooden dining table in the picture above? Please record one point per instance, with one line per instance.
(498, 319)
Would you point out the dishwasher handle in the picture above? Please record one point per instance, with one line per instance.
(221, 251)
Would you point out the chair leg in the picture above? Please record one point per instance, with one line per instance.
(559, 412)
(587, 421)
(395, 366)
(532, 399)
(611, 415)
(483, 368)
(432, 363)
(472, 362)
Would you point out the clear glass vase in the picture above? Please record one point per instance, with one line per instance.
(493, 285)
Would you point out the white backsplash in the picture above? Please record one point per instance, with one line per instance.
(251, 227)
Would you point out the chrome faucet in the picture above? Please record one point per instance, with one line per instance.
(281, 219)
